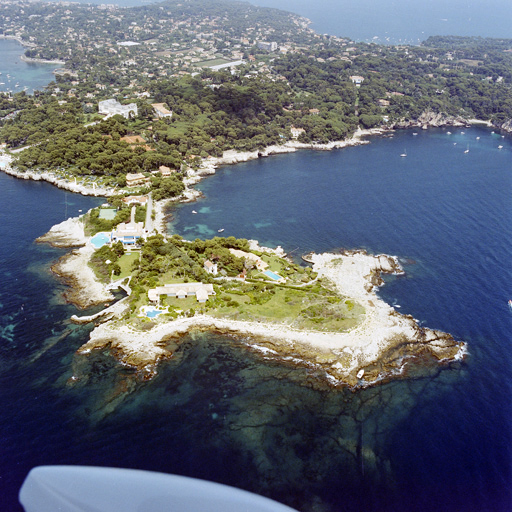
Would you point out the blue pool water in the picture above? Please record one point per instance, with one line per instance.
(272, 275)
(151, 313)
(100, 239)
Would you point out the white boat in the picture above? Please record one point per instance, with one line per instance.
(500, 147)
(478, 138)
(220, 230)
(448, 133)
(467, 149)
(404, 154)
(360, 374)
(193, 211)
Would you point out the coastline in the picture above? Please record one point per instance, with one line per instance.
(41, 61)
(231, 157)
(208, 165)
(84, 288)
(377, 349)
(382, 346)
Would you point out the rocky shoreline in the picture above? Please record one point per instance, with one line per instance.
(378, 349)
(41, 61)
(230, 157)
(381, 347)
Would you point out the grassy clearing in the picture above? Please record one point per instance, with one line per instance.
(301, 309)
(126, 262)
(212, 62)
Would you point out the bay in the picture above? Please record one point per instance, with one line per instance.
(17, 75)
(392, 21)
(218, 410)
(402, 21)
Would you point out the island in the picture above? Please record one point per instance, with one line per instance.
(325, 316)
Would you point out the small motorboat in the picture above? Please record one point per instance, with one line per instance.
(510, 303)
(220, 230)
(193, 211)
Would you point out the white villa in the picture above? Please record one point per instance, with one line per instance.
(357, 80)
(210, 267)
(182, 291)
(161, 110)
(136, 178)
(128, 232)
(112, 107)
(296, 132)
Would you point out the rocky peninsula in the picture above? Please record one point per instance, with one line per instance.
(382, 345)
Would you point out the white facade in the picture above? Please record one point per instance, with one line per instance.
(112, 107)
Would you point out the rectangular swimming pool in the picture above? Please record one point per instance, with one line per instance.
(272, 275)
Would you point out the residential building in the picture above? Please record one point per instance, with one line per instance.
(296, 132)
(165, 171)
(161, 110)
(135, 179)
(128, 232)
(357, 80)
(181, 291)
(268, 46)
(135, 200)
(210, 267)
(112, 107)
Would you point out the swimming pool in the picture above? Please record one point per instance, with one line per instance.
(152, 311)
(272, 275)
(100, 239)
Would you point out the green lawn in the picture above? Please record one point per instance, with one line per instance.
(213, 62)
(125, 262)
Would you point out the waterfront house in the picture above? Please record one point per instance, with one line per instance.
(135, 200)
(296, 132)
(181, 291)
(165, 171)
(135, 179)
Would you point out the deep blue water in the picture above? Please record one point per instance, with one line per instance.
(402, 21)
(439, 441)
(392, 21)
(26, 74)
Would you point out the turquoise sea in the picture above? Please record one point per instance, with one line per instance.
(17, 75)
(440, 441)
